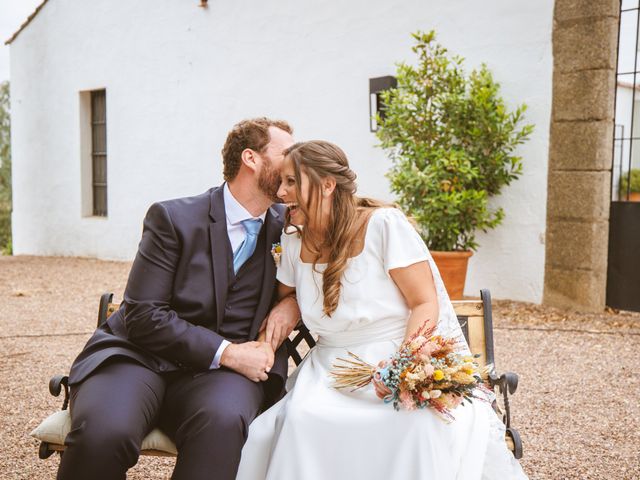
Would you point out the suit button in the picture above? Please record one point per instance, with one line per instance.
(163, 368)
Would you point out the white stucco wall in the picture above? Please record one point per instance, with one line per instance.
(178, 76)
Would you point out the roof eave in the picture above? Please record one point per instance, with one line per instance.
(26, 23)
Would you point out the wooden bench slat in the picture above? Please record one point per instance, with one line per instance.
(159, 453)
(155, 453)
(466, 308)
(477, 341)
(510, 445)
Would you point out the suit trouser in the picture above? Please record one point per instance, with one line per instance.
(207, 416)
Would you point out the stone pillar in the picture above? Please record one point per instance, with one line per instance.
(585, 42)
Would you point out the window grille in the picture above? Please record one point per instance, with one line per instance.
(99, 152)
(376, 105)
(626, 154)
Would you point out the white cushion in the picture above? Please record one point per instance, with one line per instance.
(55, 427)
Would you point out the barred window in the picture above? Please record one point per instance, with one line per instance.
(626, 160)
(99, 152)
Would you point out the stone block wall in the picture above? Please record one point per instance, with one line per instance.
(585, 35)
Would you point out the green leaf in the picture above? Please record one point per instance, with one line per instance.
(5, 170)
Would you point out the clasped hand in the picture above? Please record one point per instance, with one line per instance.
(255, 359)
(251, 359)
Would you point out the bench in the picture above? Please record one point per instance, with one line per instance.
(475, 318)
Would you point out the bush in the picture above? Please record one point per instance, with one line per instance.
(452, 142)
(5, 171)
(635, 182)
(5, 232)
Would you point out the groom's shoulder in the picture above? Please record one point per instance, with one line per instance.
(202, 200)
(192, 206)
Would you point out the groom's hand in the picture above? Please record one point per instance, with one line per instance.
(251, 359)
(281, 321)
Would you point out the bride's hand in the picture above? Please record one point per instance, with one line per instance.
(280, 322)
(381, 389)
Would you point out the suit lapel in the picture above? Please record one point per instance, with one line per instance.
(219, 255)
(273, 226)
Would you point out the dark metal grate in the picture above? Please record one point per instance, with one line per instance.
(99, 151)
(626, 155)
(623, 262)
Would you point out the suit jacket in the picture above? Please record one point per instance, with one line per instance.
(176, 293)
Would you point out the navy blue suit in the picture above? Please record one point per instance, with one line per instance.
(150, 363)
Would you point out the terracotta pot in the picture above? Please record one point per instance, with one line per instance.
(633, 197)
(453, 270)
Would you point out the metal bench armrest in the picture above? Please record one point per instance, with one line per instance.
(56, 384)
(507, 384)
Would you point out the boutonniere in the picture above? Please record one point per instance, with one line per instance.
(276, 253)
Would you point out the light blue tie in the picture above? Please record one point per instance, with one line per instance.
(246, 249)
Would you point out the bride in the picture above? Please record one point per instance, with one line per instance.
(365, 282)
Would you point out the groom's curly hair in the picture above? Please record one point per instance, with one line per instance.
(252, 133)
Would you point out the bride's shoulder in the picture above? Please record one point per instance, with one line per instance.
(290, 237)
(388, 216)
(386, 222)
(291, 231)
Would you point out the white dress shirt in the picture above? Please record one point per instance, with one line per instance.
(235, 214)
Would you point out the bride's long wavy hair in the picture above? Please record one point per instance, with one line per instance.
(320, 160)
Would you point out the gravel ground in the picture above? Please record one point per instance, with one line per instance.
(576, 421)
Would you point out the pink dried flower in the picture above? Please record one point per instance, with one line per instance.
(427, 351)
(417, 342)
(406, 399)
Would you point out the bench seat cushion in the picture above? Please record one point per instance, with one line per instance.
(56, 426)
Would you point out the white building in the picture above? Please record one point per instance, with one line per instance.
(177, 77)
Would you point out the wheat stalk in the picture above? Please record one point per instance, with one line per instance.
(352, 373)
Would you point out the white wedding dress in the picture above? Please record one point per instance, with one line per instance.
(317, 432)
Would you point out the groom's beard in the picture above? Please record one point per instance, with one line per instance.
(269, 181)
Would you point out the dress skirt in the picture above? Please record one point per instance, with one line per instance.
(317, 432)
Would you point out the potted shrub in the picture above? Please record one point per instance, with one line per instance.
(452, 141)
(630, 186)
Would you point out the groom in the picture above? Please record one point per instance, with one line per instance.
(180, 352)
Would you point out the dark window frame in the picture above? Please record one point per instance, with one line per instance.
(619, 137)
(99, 152)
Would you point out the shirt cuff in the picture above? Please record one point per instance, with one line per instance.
(216, 359)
